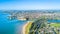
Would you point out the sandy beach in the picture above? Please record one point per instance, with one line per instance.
(25, 26)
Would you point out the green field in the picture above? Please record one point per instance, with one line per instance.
(55, 24)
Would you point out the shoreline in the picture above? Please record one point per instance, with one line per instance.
(26, 27)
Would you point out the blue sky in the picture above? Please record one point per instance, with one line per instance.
(29, 4)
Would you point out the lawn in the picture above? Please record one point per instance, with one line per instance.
(55, 24)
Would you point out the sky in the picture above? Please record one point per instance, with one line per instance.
(29, 4)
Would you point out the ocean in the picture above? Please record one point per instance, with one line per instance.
(10, 26)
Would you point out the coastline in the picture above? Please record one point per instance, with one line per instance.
(26, 27)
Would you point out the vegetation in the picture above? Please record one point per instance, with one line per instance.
(55, 24)
(41, 26)
(39, 23)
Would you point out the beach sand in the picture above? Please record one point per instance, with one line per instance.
(26, 27)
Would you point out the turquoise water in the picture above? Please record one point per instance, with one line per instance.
(53, 21)
(10, 26)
